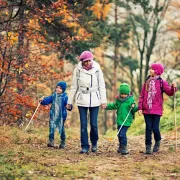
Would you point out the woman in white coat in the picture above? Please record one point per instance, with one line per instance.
(88, 90)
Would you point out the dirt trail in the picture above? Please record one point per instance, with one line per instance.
(31, 159)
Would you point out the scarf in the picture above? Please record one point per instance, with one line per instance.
(57, 107)
(151, 88)
(89, 67)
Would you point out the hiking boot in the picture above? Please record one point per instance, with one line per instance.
(119, 149)
(50, 143)
(94, 148)
(156, 146)
(148, 149)
(124, 150)
(62, 145)
(84, 151)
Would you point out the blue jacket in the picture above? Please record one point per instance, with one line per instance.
(49, 99)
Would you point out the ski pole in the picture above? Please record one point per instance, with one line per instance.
(121, 125)
(33, 115)
(175, 118)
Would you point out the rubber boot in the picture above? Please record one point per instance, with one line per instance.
(156, 146)
(148, 149)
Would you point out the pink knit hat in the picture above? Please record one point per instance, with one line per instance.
(158, 68)
(86, 55)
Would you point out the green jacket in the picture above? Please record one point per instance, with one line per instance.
(123, 106)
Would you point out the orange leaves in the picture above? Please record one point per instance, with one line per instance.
(101, 10)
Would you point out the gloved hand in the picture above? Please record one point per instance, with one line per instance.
(69, 107)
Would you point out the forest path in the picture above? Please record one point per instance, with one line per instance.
(25, 155)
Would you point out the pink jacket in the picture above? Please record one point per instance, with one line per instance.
(157, 106)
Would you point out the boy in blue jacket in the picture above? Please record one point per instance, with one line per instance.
(57, 113)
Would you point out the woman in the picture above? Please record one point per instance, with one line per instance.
(88, 90)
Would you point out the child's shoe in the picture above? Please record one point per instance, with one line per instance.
(124, 150)
(148, 149)
(94, 148)
(119, 149)
(156, 146)
(50, 143)
(62, 145)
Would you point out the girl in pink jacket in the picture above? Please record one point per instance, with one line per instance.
(151, 104)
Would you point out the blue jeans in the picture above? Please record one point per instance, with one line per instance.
(122, 135)
(93, 124)
(52, 129)
(152, 124)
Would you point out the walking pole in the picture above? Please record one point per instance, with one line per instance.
(175, 119)
(33, 115)
(121, 125)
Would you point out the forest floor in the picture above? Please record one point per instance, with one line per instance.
(25, 155)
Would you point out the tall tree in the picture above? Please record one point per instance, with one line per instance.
(146, 17)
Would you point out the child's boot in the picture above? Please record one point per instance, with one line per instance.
(156, 146)
(148, 149)
(62, 144)
(124, 150)
(119, 148)
(50, 143)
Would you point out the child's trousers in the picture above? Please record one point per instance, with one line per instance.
(152, 125)
(122, 135)
(52, 127)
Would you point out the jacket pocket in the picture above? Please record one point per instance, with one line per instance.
(97, 95)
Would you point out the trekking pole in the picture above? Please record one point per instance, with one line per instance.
(121, 126)
(175, 119)
(33, 115)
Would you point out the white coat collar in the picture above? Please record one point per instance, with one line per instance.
(95, 67)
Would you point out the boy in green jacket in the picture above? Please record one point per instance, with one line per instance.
(124, 103)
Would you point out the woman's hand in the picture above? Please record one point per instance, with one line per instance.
(140, 112)
(104, 106)
(133, 105)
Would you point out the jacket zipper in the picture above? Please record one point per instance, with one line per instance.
(90, 92)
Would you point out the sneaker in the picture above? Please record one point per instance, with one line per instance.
(94, 148)
(50, 144)
(62, 145)
(84, 151)
(156, 146)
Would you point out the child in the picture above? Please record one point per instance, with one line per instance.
(151, 104)
(58, 113)
(124, 103)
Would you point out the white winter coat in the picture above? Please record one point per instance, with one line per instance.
(88, 87)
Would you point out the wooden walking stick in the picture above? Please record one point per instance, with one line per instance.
(175, 119)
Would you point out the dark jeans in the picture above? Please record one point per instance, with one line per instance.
(152, 124)
(122, 135)
(52, 129)
(93, 124)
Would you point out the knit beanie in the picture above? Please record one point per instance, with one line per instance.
(158, 68)
(86, 55)
(124, 88)
(62, 84)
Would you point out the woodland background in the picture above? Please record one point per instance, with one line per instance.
(41, 41)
